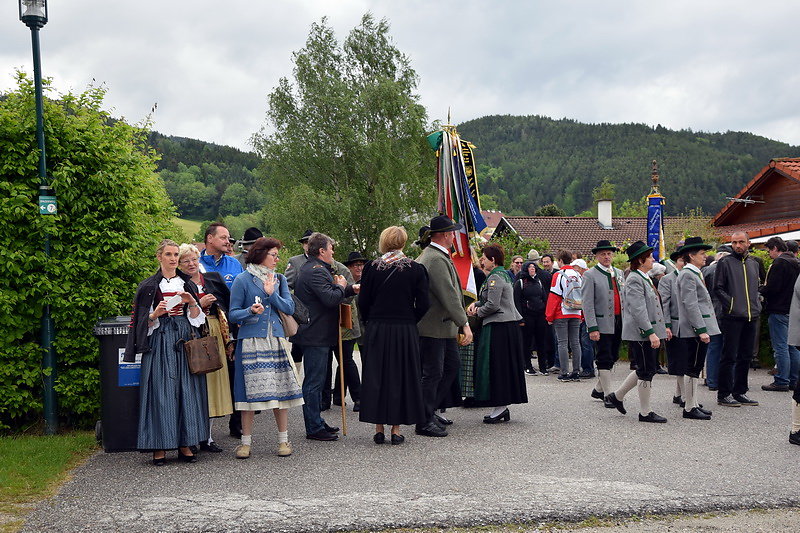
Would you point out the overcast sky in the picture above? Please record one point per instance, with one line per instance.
(705, 65)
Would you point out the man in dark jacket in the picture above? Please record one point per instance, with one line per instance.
(321, 292)
(530, 296)
(736, 283)
(777, 291)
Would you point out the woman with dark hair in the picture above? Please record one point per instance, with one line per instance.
(173, 409)
(393, 298)
(644, 328)
(500, 365)
(696, 322)
(530, 297)
(265, 376)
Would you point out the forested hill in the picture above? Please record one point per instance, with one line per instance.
(527, 162)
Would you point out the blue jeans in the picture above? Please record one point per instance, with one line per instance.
(712, 361)
(315, 359)
(787, 358)
(587, 350)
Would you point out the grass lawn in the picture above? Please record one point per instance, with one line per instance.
(190, 227)
(33, 467)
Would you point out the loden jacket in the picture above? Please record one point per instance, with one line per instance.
(695, 308)
(643, 314)
(598, 299)
(446, 312)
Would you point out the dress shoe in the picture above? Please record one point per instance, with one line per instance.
(696, 414)
(431, 430)
(607, 404)
(242, 451)
(744, 400)
(161, 461)
(612, 399)
(435, 421)
(775, 387)
(210, 447)
(442, 420)
(323, 435)
(357, 406)
(728, 401)
(794, 438)
(652, 417)
(187, 458)
(596, 394)
(505, 416)
(193, 449)
(397, 439)
(703, 410)
(331, 429)
(284, 449)
(677, 400)
(379, 438)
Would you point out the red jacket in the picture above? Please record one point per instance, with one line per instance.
(553, 311)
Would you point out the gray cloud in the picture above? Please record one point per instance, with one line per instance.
(713, 66)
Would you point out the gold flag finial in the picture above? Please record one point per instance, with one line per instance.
(654, 177)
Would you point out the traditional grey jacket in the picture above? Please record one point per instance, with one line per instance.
(696, 309)
(496, 302)
(598, 299)
(293, 269)
(643, 315)
(446, 313)
(669, 301)
(794, 316)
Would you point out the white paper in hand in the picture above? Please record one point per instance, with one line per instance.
(258, 299)
(172, 301)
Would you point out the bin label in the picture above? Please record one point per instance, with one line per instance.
(129, 372)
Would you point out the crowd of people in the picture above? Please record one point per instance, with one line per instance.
(425, 347)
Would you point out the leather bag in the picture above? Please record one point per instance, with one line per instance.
(290, 325)
(202, 353)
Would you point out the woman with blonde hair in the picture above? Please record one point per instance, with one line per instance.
(393, 298)
(214, 299)
(173, 409)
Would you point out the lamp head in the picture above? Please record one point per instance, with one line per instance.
(33, 13)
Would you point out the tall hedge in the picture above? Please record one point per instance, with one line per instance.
(112, 209)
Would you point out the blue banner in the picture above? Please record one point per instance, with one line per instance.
(655, 224)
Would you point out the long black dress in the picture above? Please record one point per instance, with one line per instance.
(393, 298)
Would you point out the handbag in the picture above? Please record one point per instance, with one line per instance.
(300, 314)
(202, 353)
(290, 325)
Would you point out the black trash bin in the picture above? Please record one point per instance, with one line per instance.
(119, 385)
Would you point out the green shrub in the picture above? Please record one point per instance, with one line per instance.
(112, 210)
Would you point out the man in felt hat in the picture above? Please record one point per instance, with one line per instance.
(296, 261)
(533, 255)
(736, 283)
(602, 311)
(440, 326)
(355, 263)
(250, 236)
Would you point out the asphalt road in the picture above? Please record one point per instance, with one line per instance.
(561, 457)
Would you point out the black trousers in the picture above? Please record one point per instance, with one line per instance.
(645, 357)
(607, 348)
(352, 381)
(694, 352)
(738, 336)
(440, 365)
(796, 395)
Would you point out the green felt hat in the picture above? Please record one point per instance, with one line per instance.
(693, 243)
(636, 249)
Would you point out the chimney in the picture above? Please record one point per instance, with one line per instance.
(604, 214)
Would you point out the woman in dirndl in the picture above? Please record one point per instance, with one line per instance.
(265, 376)
(214, 300)
(173, 409)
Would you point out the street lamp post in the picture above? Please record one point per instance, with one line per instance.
(33, 13)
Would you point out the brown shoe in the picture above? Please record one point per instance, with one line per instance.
(284, 449)
(242, 451)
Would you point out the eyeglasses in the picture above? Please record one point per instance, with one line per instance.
(518, 262)
(274, 254)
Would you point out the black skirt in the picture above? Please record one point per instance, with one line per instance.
(391, 387)
(506, 366)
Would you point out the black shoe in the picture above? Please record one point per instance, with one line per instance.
(677, 400)
(397, 439)
(531, 372)
(543, 372)
(323, 435)
(505, 416)
(337, 403)
(357, 406)
(696, 414)
(661, 370)
(612, 399)
(702, 410)
(163, 460)
(775, 387)
(607, 404)
(565, 378)
(331, 429)
(379, 438)
(794, 438)
(744, 400)
(435, 422)
(574, 377)
(728, 401)
(431, 430)
(597, 395)
(187, 458)
(442, 420)
(209, 447)
(194, 449)
(586, 374)
(652, 417)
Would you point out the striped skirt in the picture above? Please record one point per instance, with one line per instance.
(265, 376)
(173, 407)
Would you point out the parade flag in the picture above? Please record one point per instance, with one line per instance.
(655, 225)
(458, 198)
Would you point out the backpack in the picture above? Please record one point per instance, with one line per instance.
(572, 298)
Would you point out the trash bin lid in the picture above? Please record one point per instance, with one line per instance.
(112, 326)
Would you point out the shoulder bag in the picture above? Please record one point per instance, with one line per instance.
(202, 353)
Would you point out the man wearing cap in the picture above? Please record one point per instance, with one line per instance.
(736, 283)
(296, 261)
(215, 258)
(250, 236)
(439, 327)
(602, 311)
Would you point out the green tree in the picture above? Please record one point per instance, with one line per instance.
(550, 210)
(112, 210)
(345, 149)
